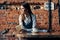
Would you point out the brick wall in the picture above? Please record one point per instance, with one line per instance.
(9, 18)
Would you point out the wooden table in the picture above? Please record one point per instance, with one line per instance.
(38, 35)
(21, 36)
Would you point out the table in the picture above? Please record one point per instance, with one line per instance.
(20, 36)
(38, 35)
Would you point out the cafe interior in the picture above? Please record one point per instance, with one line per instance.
(47, 14)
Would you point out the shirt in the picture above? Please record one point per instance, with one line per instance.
(27, 21)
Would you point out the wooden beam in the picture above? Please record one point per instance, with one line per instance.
(59, 10)
(50, 17)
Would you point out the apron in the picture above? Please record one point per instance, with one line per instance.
(29, 25)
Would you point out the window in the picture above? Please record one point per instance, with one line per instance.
(37, 7)
(2, 7)
(46, 6)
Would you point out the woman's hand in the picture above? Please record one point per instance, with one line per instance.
(34, 30)
(23, 31)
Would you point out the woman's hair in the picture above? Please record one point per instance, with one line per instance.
(27, 7)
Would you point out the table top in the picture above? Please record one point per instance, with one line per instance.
(39, 35)
(33, 35)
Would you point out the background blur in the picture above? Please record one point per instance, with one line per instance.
(9, 17)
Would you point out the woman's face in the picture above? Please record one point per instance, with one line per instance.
(22, 9)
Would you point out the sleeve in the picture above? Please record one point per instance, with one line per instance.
(34, 21)
(20, 21)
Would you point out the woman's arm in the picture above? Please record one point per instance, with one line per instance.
(34, 21)
(34, 29)
(20, 21)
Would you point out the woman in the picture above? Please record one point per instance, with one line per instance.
(27, 19)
